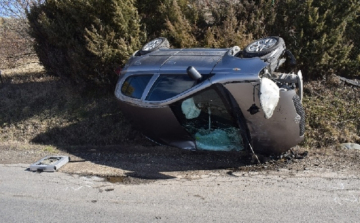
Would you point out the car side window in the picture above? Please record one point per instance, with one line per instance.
(207, 118)
(168, 86)
(134, 86)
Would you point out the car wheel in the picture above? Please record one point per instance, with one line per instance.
(263, 46)
(155, 44)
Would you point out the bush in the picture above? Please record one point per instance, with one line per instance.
(230, 23)
(180, 23)
(174, 19)
(321, 34)
(152, 21)
(352, 32)
(85, 40)
(316, 33)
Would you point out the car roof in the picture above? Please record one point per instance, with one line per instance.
(205, 60)
(177, 60)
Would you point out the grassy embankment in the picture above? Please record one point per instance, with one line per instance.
(39, 109)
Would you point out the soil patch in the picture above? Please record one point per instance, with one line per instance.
(133, 164)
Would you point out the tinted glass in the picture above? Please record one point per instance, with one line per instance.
(134, 86)
(167, 86)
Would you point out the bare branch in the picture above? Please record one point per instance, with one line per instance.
(16, 8)
(14, 26)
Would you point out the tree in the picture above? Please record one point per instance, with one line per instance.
(180, 23)
(174, 19)
(15, 43)
(16, 9)
(316, 33)
(85, 40)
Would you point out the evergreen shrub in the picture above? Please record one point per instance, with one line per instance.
(316, 32)
(85, 40)
(319, 33)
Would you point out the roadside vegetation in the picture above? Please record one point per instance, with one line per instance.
(63, 94)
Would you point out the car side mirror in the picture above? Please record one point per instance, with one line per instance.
(193, 73)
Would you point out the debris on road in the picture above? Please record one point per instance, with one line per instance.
(49, 163)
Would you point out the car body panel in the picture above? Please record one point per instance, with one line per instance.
(163, 130)
(238, 77)
(276, 134)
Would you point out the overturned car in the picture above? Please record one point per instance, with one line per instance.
(215, 99)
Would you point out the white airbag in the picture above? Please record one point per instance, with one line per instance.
(269, 96)
(189, 109)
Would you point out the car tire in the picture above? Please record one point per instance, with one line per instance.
(155, 44)
(263, 46)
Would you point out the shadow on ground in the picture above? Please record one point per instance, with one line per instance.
(43, 110)
(144, 160)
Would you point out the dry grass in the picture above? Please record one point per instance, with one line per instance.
(41, 109)
(333, 113)
(15, 45)
(37, 108)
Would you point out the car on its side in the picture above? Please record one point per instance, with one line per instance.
(215, 99)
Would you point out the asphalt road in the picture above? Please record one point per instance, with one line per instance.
(213, 197)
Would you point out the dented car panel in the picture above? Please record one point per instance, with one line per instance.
(210, 99)
(277, 134)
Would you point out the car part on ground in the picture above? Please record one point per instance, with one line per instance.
(214, 99)
(49, 163)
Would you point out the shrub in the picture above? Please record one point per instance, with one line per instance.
(321, 34)
(177, 20)
(180, 23)
(352, 32)
(152, 21)
(239, 23)
(15, 45)
(85, 40)
(315, 32)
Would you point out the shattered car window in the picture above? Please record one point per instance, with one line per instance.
(208, 120)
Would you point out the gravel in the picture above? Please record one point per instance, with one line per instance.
(132, 164)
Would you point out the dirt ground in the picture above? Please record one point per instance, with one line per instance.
(131, 163)
(28, 116)
(135, 160)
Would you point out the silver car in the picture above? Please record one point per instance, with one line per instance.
(215, 99)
